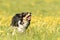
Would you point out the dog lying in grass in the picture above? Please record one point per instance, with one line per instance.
(21, 21)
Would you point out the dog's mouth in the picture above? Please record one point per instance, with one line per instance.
(29, 17)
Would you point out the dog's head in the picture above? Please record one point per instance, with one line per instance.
(26, 16)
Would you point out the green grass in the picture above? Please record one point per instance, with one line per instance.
(34, 33)
(45, 23)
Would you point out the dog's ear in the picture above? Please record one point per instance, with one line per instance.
(29, 12)
(23, 14)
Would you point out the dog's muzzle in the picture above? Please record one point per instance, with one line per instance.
(29, 17)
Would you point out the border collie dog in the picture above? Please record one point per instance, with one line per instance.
(21, 21)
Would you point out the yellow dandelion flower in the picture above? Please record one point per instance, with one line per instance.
(58, 38)
(1, 31)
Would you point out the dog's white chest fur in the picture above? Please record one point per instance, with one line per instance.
(22, 28)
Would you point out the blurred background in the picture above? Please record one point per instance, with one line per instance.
(37, 7)
(45, 21)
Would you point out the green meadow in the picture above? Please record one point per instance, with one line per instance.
(45, 20)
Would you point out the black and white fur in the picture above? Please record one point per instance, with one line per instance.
(21, 21)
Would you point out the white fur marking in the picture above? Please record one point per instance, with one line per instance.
(22, 28)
